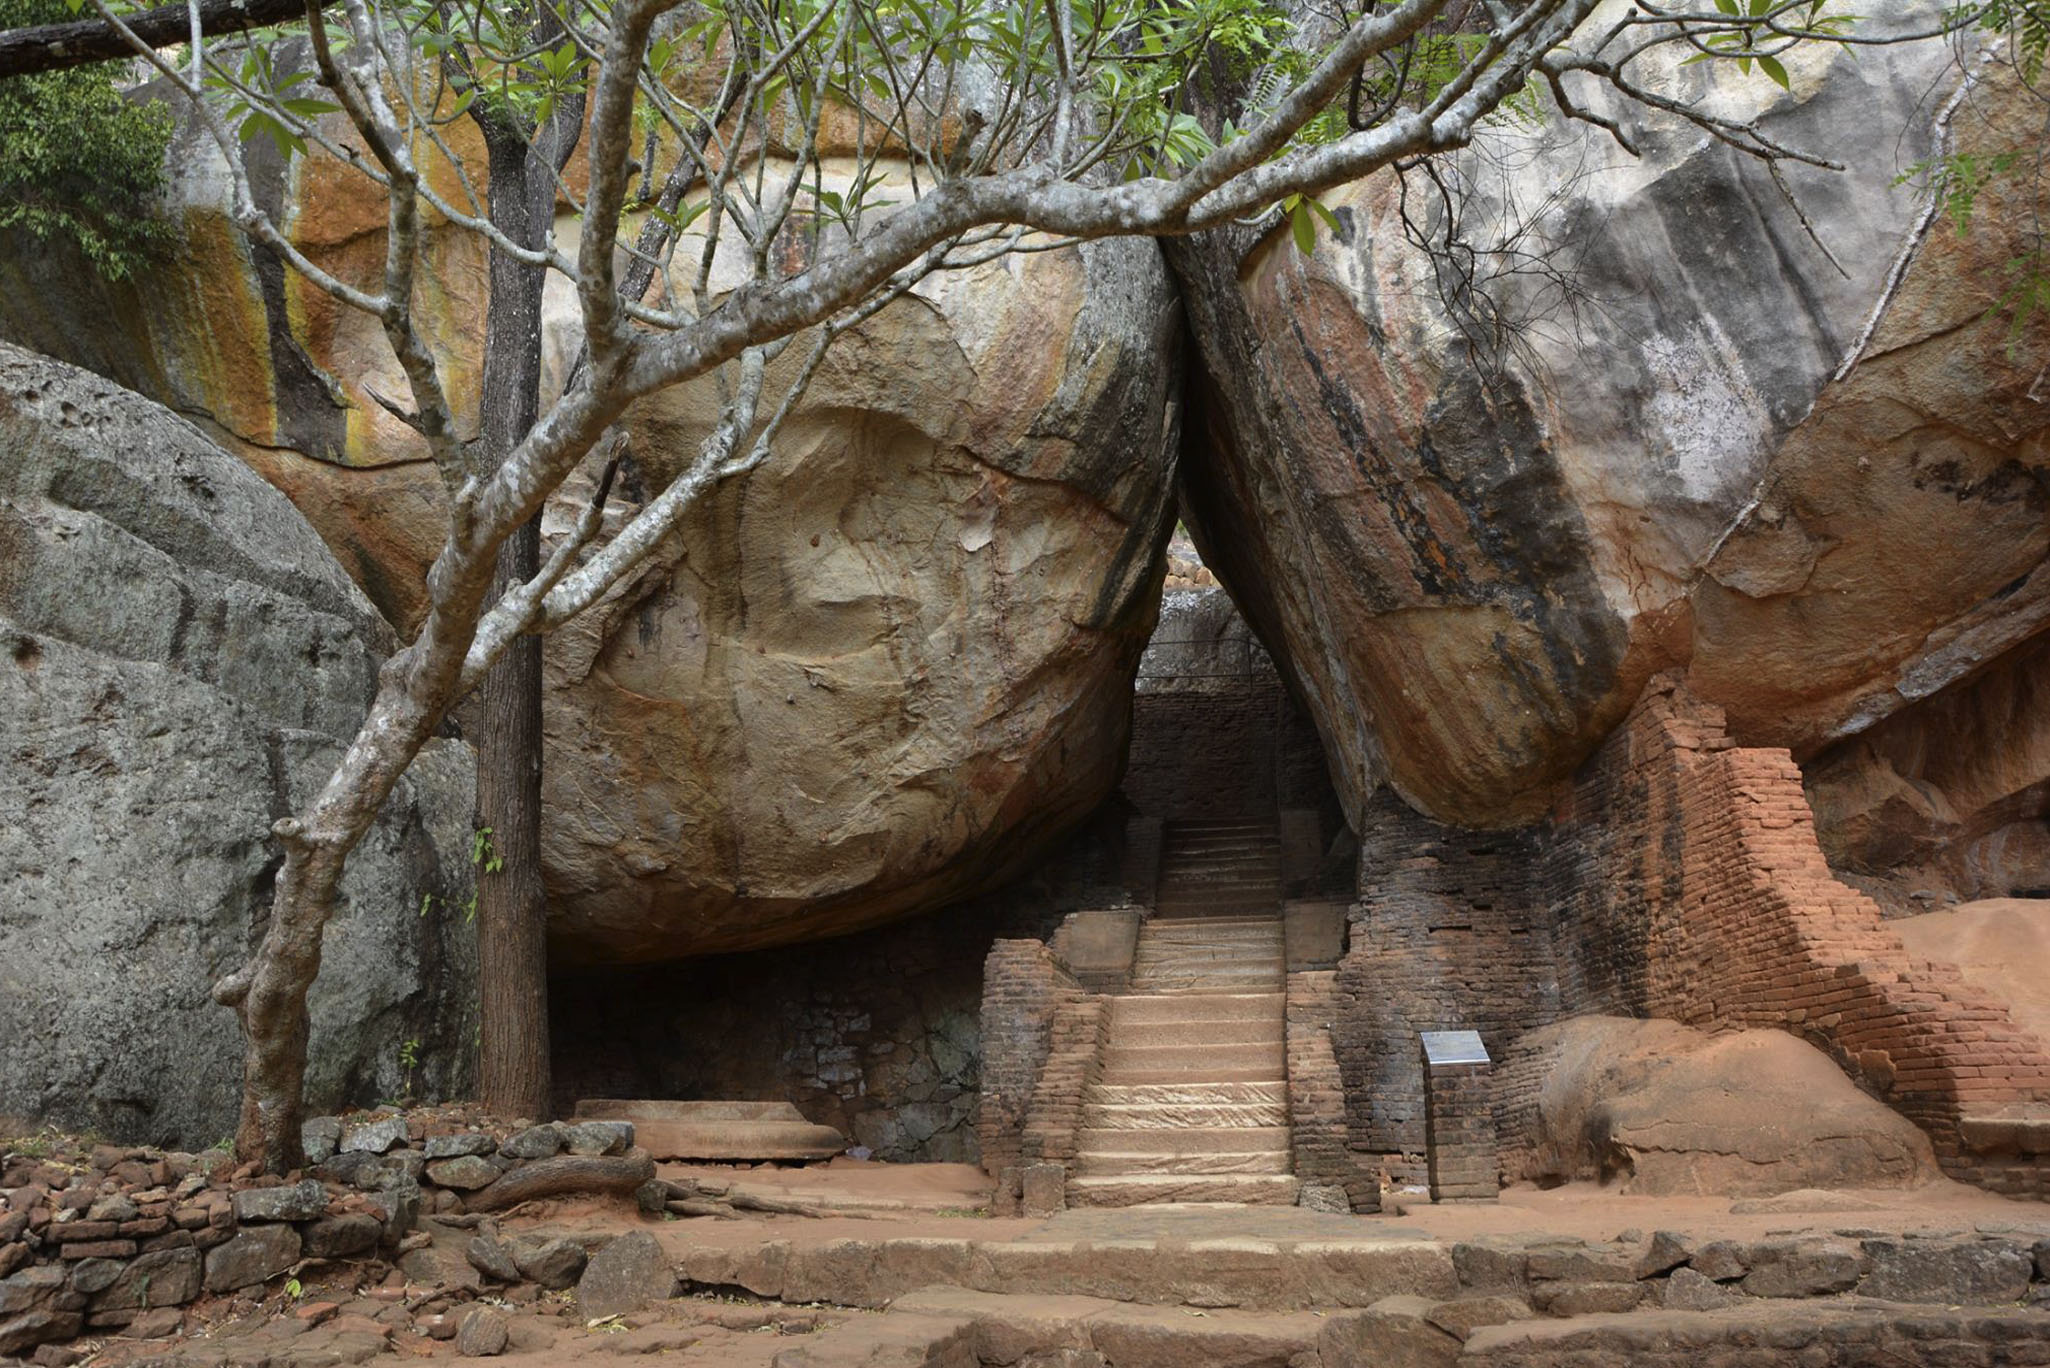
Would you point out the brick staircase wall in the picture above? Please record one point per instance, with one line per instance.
(1080, 1031)
(1689, 884)
(1316, 1095)
(1023, 989)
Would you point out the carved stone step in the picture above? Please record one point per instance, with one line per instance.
(1225, 1006)
(1093, 1163)
(1262, 1189)
(1183, 1139)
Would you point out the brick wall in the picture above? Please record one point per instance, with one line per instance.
(1022, 985)
(1689, 884)
(1316, 1096)
(1445, 936)
(876, 1034)
(1460, 1124)
(1081, 1029)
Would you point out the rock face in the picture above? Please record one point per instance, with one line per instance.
(878, 675)
(178, 658)
(2002, 946)
(893, 665)
(1694, 437)
(1950, 794)
(1669, 1110)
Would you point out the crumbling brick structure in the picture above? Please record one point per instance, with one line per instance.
(1688, 883)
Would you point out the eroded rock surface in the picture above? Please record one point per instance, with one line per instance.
(890, 667)
(1668, 1110)
(1689, 436)
(179, 661)
(875, 677)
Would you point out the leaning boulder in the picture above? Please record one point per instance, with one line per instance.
(1474, 499)
(180, 662)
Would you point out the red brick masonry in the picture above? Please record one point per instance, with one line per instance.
(1689, 884)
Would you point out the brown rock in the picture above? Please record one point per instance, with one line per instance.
(1461, 1318)
(1687, 1290)
(1530, 529)
(971, 499)
(631, 1272)
(483, 1333)
(1586, 1299)
(1670, 1110)
(252, 1256)
(341, 1237)
(157, 1323)
(21, 1333)
(1395, 1332)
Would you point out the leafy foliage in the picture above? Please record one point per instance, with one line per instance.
(80, 162)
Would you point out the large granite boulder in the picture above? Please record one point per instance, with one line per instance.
(1665, 1110)
(890, 667)
(180, 660)
(1669, 428)
(876, 676)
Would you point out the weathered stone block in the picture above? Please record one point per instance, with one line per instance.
(629, 1273)
(251, 1256)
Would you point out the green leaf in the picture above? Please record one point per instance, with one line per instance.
(1771, 67)
(1304, 228)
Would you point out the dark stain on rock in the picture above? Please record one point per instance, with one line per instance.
(1483, 445)
(2010, 482)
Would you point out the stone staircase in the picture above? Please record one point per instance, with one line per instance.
(1192, 1102)
(1219, 868)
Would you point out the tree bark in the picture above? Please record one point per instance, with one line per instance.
(81, 42)
(512, 904)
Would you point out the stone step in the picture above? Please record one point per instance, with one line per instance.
(1193, 1058)
(1184, 1139)
(1205, 983)
(1225, 1006)
(1266, 932)
(1068, 1329)
(1094, 1163)
(1140, 1034)
(1230, 924)
(1265, 954)
(1246, 1116)
(1123, 1076)
(1201, 987)
(1221, 968)
(1119, 1190)
(1264, 957)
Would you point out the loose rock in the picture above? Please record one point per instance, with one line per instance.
(628, 1274)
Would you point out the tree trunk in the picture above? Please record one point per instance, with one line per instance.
(512, 907)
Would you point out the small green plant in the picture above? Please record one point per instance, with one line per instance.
(483, 854)
(409, 1066)
(294, 1289)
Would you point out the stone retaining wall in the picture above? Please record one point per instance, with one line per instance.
(97, 1240)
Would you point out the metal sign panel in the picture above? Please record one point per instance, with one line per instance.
(1453, 1047)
